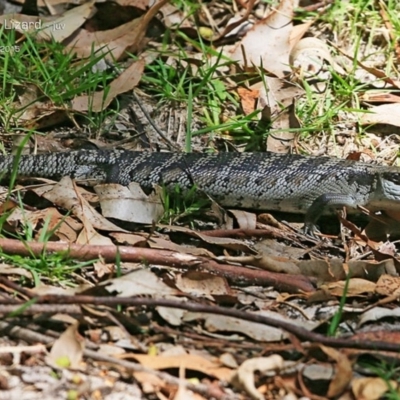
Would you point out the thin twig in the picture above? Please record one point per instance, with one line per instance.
(69, 309)
(296, 330)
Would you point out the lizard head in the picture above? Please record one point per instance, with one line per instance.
(388, 187)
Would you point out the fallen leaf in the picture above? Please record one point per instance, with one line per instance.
(113, 43)
(372, 97)
(129, 239)
(189, 361)
(150, 383)
(64, 194)
(130, 203)
(256, 331)
(228, 243)
(245, 219)
(343, 371)
(202, 284)
(101, 100)
(388, 285)
(383, 114)
(173, 316)
(45, 28)
(308, 57)
(65, 25)
(139, 282)
(378, 313)
(355, 287)
(248, 99)
(160, 243)
(246, 371)
(267, 43)
(371, 388)
(67, 350)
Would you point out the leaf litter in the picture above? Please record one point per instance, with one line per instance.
(363, 269)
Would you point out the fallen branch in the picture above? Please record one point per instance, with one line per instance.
(234, 274)
(296, 330)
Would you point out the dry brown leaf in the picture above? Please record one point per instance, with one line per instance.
(275, 94)
(372, 97)
(129, 239)
(383, 114)
(276, 264)
(173, 17)
(198, 284)
(139, 282)
(101, 100)
(343, 373)
(43, 290)
(324, 270)
(63, 26)
(245, 219)
(276, 100)
(130, 203)
(228, 243)
(188, 361)
(113, 43)
(67, 350)
(65, 194)
(173, 316)
(371, 388)
(59, 28)
(140, 4)
(267, 43)
(371, 270)
(256, 331)
(334, 269)
(47, 117)
(246, 371)
(356, 287)
(160, 243)
(88, 235)
(298, 32)
(102, 269)
(6, 269)
(388, 285)
(149, 383)
(309, 56)
(248, 99)
(35, 111)
(378, 313)
(64, 227)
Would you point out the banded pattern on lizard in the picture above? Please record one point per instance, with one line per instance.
(259, 181)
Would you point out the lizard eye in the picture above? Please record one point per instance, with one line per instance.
(393, 177)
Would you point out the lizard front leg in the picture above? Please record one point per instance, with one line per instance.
(324, 202)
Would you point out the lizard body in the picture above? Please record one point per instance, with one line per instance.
(259, 181)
